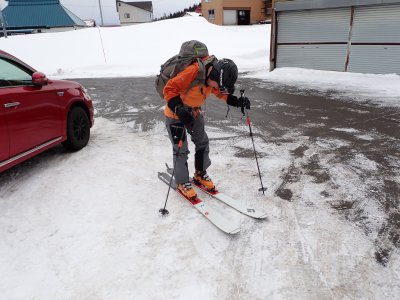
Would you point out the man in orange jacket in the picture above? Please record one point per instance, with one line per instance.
(183, 113)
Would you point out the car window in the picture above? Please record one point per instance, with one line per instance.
(12, 75)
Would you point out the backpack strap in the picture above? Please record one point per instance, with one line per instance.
(202, 73)
(203, 65)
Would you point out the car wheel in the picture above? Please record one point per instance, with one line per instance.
(78, 129)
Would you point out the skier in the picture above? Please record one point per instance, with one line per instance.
(183, 113)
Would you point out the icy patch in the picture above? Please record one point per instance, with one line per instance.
(349, 130)
(133, 110)
(365, 137)
(331, 143)
(278, 104)
(364, 163)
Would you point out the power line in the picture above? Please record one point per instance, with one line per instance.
(101, 14)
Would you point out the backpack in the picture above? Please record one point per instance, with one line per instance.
(190, 52)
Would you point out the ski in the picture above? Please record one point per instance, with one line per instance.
(248, 211)
(211, 214)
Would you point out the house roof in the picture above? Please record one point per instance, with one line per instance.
(39, 14)
(146, 5)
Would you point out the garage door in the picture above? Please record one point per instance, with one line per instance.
(317, 57)
(315, 39)
(230, 17)
(375, 42)
(324, 39)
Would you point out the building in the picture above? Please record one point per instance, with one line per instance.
(237, 12)
(361, 36)
(135, 12)
(198, 10)
(41, 15)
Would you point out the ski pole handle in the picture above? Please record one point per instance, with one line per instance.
(242, 107)
(245, 114)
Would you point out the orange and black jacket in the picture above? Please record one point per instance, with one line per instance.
(193, 97)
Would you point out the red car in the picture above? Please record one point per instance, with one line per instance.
(37, 113)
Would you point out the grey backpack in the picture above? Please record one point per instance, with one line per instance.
(191, 51)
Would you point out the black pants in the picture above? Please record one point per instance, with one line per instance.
(198, 136)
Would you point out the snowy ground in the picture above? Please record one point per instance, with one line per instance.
(86, 225)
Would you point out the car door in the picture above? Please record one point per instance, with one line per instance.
(33, 113)
(4, 141)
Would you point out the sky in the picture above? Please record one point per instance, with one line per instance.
(89, 9)
(86, 225)
(169, 6)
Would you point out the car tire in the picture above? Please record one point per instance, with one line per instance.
(78, 129)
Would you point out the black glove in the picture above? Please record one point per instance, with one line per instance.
(244, 102)
(238, 102)
(176, 105)
(184, 115)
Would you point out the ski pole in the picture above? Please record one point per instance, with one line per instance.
(248, 122)
(164, 211)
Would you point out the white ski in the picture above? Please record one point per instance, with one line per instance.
(211, 214)
(248, 211)
(240, 207)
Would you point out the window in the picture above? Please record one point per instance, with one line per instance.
(127, 15)
(11, 74)
(211, 14)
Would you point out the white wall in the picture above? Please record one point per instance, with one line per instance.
(89, 9)
(137, 15)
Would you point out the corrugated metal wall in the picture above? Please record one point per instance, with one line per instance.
(376, 24)
(328, 25)
(374, 59)
(375, 31)
(313, 39)
(319, 39)
(318, 57)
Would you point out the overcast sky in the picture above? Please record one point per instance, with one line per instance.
(159, 6)
(167, 6)
(88, 9)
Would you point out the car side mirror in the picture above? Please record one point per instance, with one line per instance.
(39, 79)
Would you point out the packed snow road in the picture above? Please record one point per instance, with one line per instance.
(86, 225)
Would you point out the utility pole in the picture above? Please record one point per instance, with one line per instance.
(3, 23)
(101, 14)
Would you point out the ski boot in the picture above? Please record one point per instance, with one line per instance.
(202, 178)
(187, 190)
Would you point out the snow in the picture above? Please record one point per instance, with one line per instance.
(380, 89)
(128, 51)
(86, 225)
